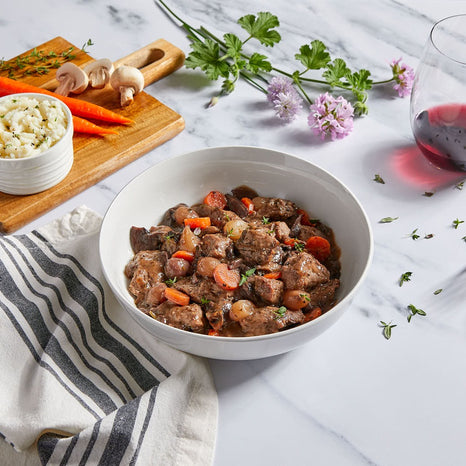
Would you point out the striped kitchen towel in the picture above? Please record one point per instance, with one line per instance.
(80, 382)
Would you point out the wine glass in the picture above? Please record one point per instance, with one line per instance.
(438, 97)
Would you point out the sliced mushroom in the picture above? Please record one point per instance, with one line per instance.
(99, 72)
(71, 78)
(128, 81)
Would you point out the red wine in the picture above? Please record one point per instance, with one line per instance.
(440, 133)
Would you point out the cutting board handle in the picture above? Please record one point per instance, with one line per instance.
(155, 60)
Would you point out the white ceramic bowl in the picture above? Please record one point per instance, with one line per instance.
(39, 172)
(187, 178)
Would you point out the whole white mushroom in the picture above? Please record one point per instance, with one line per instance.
(71, 78)
(99, 72)
(128, 81)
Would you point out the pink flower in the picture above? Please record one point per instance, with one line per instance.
(279, 85)
(287, 105)
(331, 116)
(404, 77)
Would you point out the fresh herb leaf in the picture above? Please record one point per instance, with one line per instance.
(459, 185)
(299, 246)
(314, 57)
(261, 27)
(280, 312)
(265, 220)
(246, 275)
(388, 219)
(387, 329)
(335, 71)
(258, 62)
(378, 179)
(464, 238)
(206, 56)
(415, 311)
(204, 301)
(405, 277)
(87, 44)
(457, 223)
(436, 292)
(170, 281)
(233, 44)
(414, 235)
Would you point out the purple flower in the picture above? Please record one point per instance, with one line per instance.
(279, 85)
(404, 77)
(331, 116)
(287, 105)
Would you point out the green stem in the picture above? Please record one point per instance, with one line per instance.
(298, 83)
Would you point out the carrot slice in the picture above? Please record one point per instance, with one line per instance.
(198, 222)
(177, 297)
(312, 314)
(227, 278)
(78, 107)
(304, 217)
(80, 125)
(216, 199)
(186, 255)
(248, 203)
(213, 333)
(319, 247)
(273, 275)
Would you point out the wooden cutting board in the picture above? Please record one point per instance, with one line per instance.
(97, 157)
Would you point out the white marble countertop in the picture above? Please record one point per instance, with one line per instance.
(350, 397)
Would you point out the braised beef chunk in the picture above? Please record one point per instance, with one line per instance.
(302, 271)
(144, 270)
(257, 247)
(259, 261)
(270, 291)
(269, 319)
(216, 245)
(244, 191)
(142, 239)
(188, 317)
(235, 205)
(216, 312)
(274, 208)
(323, 295)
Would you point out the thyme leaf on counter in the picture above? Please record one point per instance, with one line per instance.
(456, 223)
(87, 44)
(414, 311)
(436, 292)
(459, 185)
(405, 277)
(413, 235)
(388, 219)
(387, 329)
(378, 179)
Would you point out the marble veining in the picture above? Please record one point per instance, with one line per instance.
(350, 397)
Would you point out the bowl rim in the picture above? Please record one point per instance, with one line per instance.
(231, 340)
(69, 126)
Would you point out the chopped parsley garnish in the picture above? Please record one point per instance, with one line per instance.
(205, 301)
(299, 246)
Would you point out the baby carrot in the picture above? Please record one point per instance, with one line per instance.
(177, 297)
(78, 107)
(81, 125)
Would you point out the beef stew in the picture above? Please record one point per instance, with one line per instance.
(236, 265)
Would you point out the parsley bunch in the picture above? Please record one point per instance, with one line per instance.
(224, 58)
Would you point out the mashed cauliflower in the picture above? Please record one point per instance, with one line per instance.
(29, 126)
